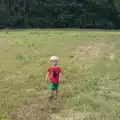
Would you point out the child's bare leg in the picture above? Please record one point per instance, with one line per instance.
(56, 93)
(51, 95)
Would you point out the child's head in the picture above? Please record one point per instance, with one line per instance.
(54, 60)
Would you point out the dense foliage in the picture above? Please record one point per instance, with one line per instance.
(60, 13)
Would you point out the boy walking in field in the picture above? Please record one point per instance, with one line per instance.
(54, 74)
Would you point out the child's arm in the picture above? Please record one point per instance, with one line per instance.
(47, 75)
(60, 76)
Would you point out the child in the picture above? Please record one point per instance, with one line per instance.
(54, 74)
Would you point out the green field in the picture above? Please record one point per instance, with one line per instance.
(90, 61)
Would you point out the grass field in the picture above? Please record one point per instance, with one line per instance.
(90, 61)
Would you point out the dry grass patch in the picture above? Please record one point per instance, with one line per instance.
(73, 115)
(35, 111)
(31, 112)
(88, 51)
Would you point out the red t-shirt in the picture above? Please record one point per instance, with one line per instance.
(54, 79)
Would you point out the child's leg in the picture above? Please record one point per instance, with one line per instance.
(51, 95)
(56, 92)
(51, 91)
(56, 89)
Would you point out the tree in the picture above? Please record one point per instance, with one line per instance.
(117, 3)
(61, 13)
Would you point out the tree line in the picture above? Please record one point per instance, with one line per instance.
(60, 14)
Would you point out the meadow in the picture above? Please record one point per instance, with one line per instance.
(90, 61)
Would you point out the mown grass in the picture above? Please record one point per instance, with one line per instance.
(90, 61)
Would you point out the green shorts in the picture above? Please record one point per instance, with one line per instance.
(53, 86)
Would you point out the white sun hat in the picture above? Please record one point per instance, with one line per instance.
(54, 58)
